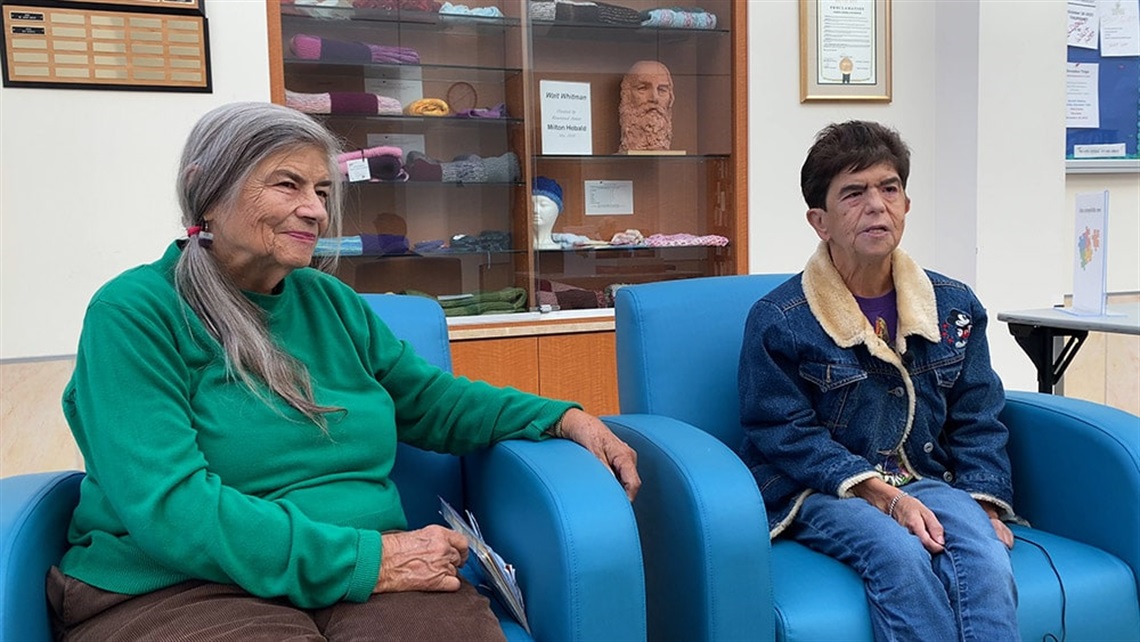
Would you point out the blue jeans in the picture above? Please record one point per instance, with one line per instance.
(965, 593)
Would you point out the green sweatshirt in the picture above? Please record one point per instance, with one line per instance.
(193, 476)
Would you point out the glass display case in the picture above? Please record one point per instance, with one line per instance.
(629, 118)
(457, 114)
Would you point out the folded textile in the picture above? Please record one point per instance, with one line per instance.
(309, 47)
(427, 247)
(464, 169)
(464, 10)
(384, 162)
(568, 240)
(337, 102)
(566, 11)
(505, 300)
(428, 6)
(683, 240)
(377, 244)
(420, 167)
(618, 15)
(342, 245)
(569, 297)
(542, 10)
(628, 237)
(678, 18)
(317, 8)
(428, 107)
(487, 241)
(498, 111)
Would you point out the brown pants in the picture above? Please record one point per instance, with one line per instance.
(202, 611)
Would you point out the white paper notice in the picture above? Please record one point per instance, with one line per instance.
(1083, 95)
(1084, 26)
(405, 85)
(846, 42)
(1089, 244)
(566, 125)
(1119, 28)
(1101, 150)
(609, 198)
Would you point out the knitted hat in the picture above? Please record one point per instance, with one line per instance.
(547, 187)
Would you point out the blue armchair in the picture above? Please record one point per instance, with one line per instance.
(712, 573)
(550, 509)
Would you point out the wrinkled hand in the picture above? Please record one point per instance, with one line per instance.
(427, 559)
(909, 512)
(593, 435)
(1000, 529)
(914, 516)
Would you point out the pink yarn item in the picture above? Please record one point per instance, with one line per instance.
(683, 240)
(357, 103)
(368, 152)
(306, 47)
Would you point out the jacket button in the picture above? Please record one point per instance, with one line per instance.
(948, 476)
(927, 447)
(896, 392)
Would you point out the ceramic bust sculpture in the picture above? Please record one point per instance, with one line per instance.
(547, 198)
(645, 110)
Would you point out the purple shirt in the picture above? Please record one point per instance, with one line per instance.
(883, 314)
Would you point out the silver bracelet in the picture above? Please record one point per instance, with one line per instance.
(895, 502)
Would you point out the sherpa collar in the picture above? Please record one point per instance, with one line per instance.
(837, 311)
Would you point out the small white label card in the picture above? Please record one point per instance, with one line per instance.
(358, 170)
(405, 84)
(1103, 150)
(566, 127)
(608, 198)
(1089, 243)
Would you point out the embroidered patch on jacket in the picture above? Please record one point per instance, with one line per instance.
(956, 329)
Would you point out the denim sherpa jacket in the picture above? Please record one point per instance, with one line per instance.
(823, 399)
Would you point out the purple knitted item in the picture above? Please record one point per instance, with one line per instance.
(309, 47)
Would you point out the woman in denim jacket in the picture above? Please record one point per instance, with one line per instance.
(871, 409)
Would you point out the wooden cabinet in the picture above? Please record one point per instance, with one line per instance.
(447, 210)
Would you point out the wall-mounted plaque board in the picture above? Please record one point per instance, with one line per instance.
(52, 46)
(196, 5)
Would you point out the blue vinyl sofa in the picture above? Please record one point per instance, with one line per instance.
(551, 509)
(712, 573)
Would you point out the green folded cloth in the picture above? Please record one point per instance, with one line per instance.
(505, 300)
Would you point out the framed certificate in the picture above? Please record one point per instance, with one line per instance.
(845, 50)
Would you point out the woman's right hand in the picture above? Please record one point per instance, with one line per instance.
(427, 559)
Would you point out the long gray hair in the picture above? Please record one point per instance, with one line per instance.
(223, 149)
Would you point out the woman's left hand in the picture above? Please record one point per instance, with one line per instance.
(1002, 531)
(593, 435)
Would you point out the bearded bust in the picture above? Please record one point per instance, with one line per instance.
(645, 111)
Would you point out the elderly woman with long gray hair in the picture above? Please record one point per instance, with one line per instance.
(238, 413)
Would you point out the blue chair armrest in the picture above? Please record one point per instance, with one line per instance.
(34, 513)
(553, 511)
(1076, 470)
(704, 533)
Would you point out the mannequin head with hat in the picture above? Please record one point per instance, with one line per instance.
(547, 200)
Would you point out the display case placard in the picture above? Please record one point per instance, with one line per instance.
(85, 48)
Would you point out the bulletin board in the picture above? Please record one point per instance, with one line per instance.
(1119, 110)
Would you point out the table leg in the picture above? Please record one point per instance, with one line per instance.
(1037, 342)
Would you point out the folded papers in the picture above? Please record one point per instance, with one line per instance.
(500, 574)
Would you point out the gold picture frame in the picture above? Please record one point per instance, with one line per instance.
(845, 50)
